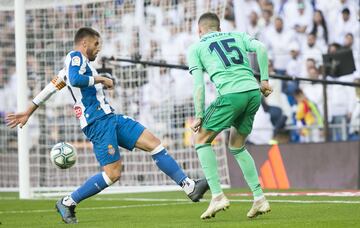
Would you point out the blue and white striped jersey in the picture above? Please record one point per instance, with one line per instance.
(90, 101)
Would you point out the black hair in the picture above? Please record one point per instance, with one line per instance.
(323, 24)
(346, 10)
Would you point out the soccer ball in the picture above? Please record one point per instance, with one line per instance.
(63, 155)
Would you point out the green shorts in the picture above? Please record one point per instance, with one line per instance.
(234, 109)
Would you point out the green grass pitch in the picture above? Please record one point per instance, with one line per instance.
(172, 209)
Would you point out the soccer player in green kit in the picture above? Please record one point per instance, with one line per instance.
(223, 55)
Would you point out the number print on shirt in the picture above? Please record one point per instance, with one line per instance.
(215, 46)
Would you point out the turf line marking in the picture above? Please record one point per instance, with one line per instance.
(240, 200)
(9, 198)
(94, 208)
(347, 193)
(177, 202)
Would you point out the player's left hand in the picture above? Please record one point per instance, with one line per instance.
(17, 119)
(196, 125)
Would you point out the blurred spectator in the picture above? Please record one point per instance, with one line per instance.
(300, 21)
(314, 91)
(266, 22)
(297, 12)
(253, 28)
(344, 25)
(319, 28)
(308, 117)
(312, 50)
(278, 98)
(228, 23)
(276, 39)
(293, 69)
(242, 11)
(277, 118)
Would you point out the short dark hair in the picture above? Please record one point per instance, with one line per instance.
(346, 10)
(85, 32)
(211, 17)
(298, 92)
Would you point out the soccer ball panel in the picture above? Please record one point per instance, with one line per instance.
(63, 155)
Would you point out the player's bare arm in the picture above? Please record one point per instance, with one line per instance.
(107, 82)
(21, 118)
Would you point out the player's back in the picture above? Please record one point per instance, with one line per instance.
(223, 55)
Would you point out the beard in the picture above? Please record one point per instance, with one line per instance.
(90, 55)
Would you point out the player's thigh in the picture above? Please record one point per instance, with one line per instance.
(102, 134)
(219, 115)
(244, 122)
(128, 131)
(147, 141)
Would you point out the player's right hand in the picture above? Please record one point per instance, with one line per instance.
(14, 119)
(265, 88)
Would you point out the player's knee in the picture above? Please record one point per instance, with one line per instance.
(237, 140)
(114, 175)
(148, 142)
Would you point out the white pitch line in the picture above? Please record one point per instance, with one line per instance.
(177, 202)
(244, 200)
(93, 208)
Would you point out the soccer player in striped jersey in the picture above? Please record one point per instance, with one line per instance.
(106, 130)
(223, 56)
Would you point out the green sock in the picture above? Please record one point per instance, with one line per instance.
(247, 165)
(209, 165)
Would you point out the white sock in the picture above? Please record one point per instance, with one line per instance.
(188, 185)
(256, 198)
(68, 201)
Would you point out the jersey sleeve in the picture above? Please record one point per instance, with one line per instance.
(57, 83)
(196, 69)
(73, 69)
(253, 45)
(193, 59)
(59, 80)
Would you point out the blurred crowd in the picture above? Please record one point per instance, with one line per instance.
(296, 32)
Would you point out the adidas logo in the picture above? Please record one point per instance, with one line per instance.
(273, 173)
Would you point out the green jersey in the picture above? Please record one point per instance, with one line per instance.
(223, 55)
